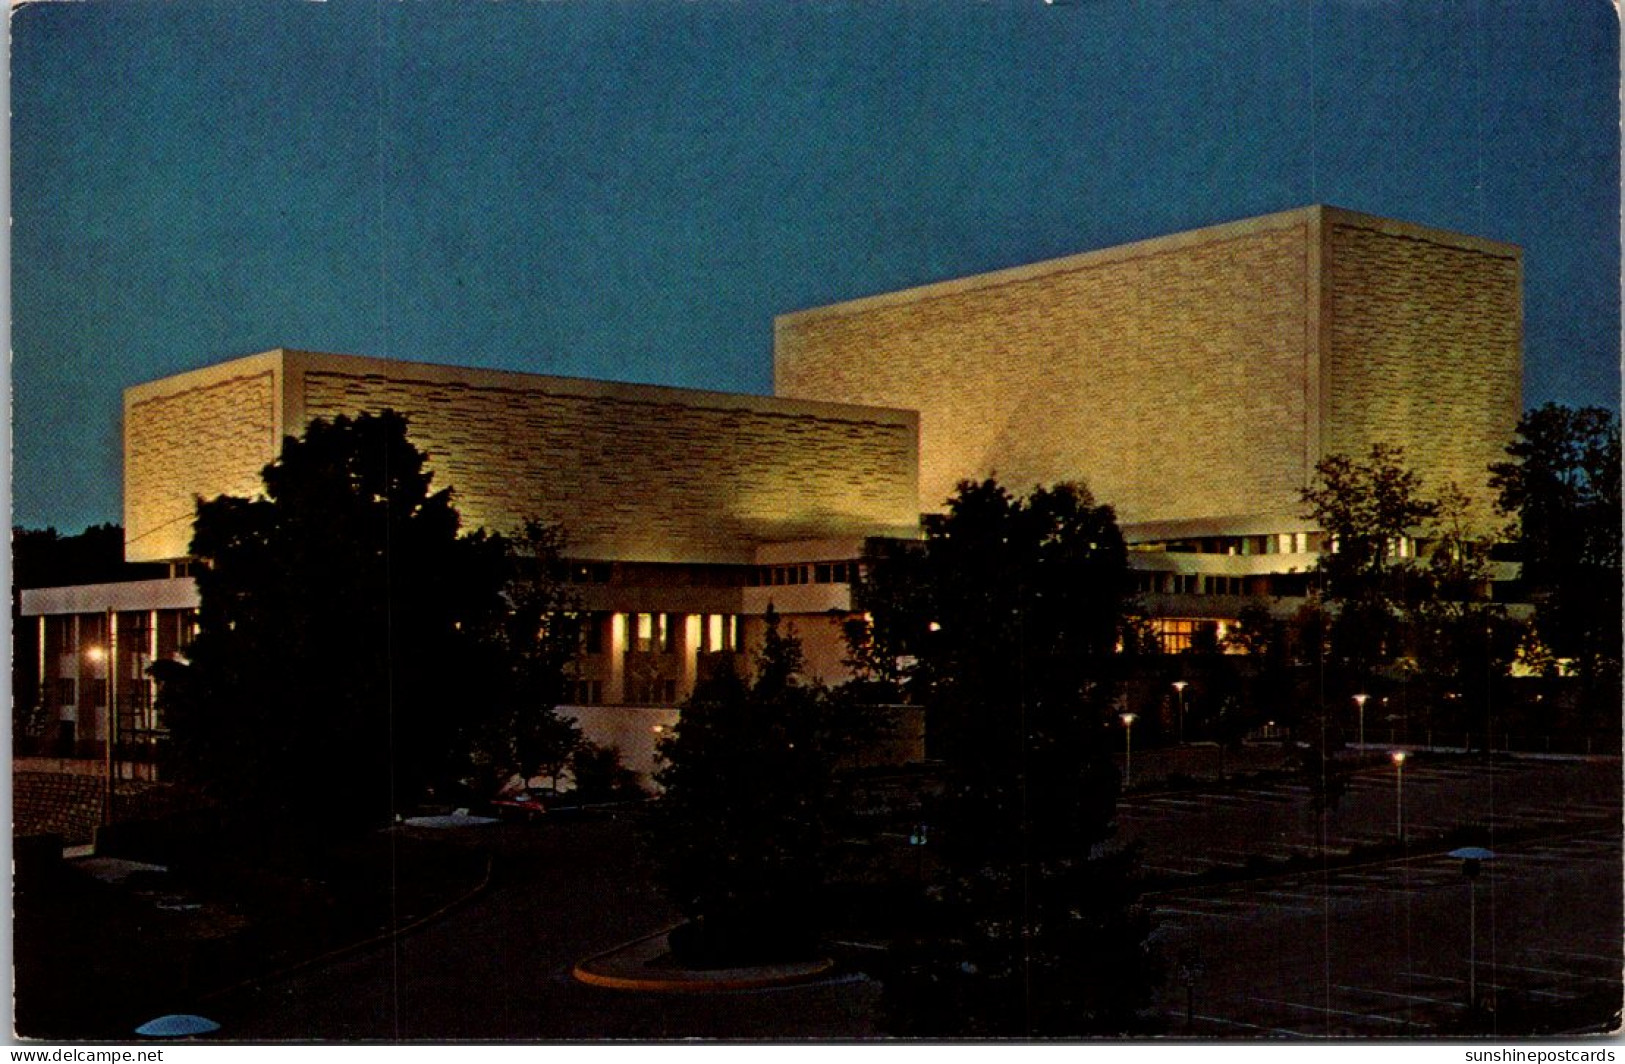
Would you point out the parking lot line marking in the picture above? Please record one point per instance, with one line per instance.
(1406, 997)
(1614, 960)
(1342, 1012)
(1177, 911)
(1237, 1023)
(1283, 907)
(1212, 899)
(1565, 975)
(1296, 895)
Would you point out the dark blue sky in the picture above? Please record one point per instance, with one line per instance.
(632, 189)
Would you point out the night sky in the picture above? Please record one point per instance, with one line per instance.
(632, 189)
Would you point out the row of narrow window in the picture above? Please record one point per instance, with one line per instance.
(845, 572)
(812, 573)
(1279, 543)
(1275, 543)
(1190, 584)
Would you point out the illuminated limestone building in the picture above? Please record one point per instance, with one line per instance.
(1192, 381)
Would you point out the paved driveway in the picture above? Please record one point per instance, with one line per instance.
(1375, 951)
(499, 967)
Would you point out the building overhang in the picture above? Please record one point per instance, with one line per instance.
(1200, 527)
(171, 593)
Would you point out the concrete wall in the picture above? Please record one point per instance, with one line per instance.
(60, 798)
(632, 471)
(1175, 362)
(205, 433)
(1196, 375)
(1423, 334)
(630, 729)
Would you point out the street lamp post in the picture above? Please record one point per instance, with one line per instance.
(105, 655)
(1179, 689)
(1399, 793)
(1128, 747)
(1359, 702)
(1472, 860)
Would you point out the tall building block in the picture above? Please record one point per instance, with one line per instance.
(1198, 375)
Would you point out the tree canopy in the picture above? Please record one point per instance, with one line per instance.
(351, 642)
(1561, 487)
(1005, 625)
(1367, 508)
(741, 833)
(43, 557)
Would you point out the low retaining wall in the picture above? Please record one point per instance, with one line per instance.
(69, 803)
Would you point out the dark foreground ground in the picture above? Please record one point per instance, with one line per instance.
(1285, 948)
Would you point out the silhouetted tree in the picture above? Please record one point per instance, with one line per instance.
(530, 652)
(1005, 624)
(1366, 508)
(740, 832)
(350, 640)
(46, 558)
(1562, 489)
(601, 776)
(1461, 643)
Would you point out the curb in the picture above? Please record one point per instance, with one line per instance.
(611, 970)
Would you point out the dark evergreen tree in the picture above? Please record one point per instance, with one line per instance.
(349, 639)
(46, 558)
(530, 653)
(601, 776)
(1562, 489)
(741, 831)
(1005, 625)
(1261, 645)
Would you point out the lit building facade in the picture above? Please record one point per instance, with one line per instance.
(1192, 381)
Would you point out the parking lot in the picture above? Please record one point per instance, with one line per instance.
(1384, 948)
(1377, 949)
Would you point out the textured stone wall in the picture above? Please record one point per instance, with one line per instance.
(60, 804)
(209, 439)
(1171, 376)
(644, 473)
(69, 804)
(633, 472)
(1424, 350)
(1199, 375)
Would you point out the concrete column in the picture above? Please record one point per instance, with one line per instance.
(48, 705)
(149, 656)
(75, 647)
(615, 685)
(690, 650)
